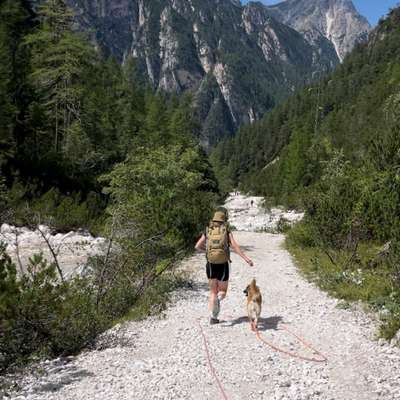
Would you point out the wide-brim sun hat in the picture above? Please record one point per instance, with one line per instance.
(219, 216)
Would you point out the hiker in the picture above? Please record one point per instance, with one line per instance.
(251, 203)
(216, 242)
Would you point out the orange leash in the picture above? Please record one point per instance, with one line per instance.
(289, 353)
(212, 370)
(257, 333)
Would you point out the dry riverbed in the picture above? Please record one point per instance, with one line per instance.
(71, 249)
(164, 357)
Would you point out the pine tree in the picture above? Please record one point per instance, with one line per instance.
(155, 128)
(59, 59)
(131, 106)
(14, 17)
(182, 126)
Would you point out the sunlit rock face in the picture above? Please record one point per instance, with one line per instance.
(236, 60)
(338, 21)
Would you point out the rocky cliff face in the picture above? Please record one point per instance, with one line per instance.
(238, 61)
(318, 20)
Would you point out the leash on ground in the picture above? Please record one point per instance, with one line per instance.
(321, 358)
(212, 369)
(272, 346)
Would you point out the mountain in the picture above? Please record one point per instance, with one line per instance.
(336, 21)
(236, 61)
(333, 150)
(354, 111)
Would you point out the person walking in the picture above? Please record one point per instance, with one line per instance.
(216, 241)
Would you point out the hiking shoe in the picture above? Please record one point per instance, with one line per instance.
(216, 308)
(214, 321)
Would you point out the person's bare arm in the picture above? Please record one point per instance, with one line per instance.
(201, 243)
(236, 248)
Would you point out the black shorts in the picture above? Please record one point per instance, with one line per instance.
(218, 271)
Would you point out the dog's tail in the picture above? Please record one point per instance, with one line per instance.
(257, 298)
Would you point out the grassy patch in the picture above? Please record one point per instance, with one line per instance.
(350, 277)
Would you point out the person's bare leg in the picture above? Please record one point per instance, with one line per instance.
(222, 289)
(213, 285)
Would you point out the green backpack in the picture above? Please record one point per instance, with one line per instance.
(217, 244)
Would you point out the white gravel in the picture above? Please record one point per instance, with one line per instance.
(72, 249)
(248, 214)
(164, 358)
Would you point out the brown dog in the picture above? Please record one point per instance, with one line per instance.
(254, 301)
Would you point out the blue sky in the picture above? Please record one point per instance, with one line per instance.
(372, 9)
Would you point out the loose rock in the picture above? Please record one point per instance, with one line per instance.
(165, 358)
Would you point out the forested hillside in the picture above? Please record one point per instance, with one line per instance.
(353, 110)
(334, 150)
(68, 115)
(83, 145)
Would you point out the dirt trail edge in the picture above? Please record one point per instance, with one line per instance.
(165, 358)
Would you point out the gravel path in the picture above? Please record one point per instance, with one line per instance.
(248, 214)
(165, 358)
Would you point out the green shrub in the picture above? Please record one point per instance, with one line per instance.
(41, 316)
(333, 206)
(3, 194)
(61, 212)
(381, 200)
(283, 225)
(161, 193)
(302, 235)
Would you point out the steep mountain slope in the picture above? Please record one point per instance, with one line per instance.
(327, 22)
(355, 111)
(237, 61)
